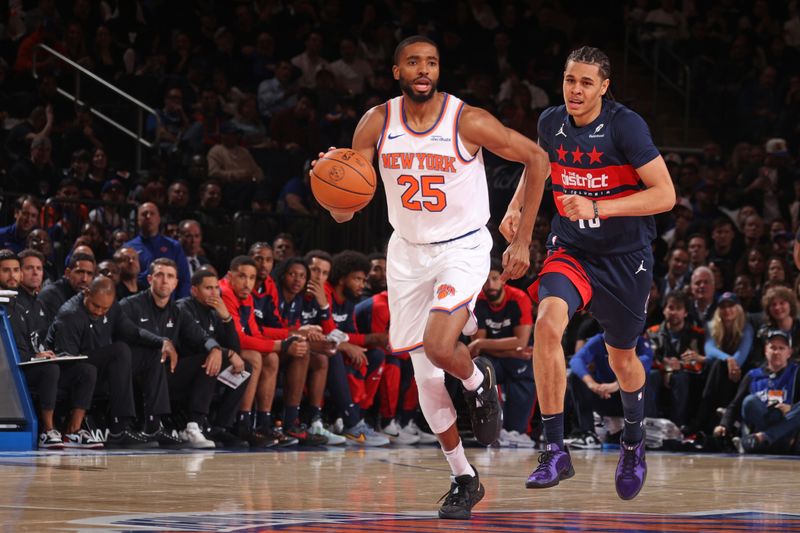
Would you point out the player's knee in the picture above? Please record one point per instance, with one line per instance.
(271, 361)
(254, 358)
(548, 330)
(438, 351)
(319, 362)
(435, 402)
(623, 362)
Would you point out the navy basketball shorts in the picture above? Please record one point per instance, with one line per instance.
(614, 288)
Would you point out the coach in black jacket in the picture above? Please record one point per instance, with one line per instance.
(78, 274)
(195, 377)
(155, 311)
(93, 324)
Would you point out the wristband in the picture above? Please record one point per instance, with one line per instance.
(286, 343)
(596, 212)
(327, 306)
(226, 320)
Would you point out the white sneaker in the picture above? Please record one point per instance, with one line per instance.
(316, 428)
(194, 438)
(399, 435)
(363, 435)
(82, 439)
(515, 439)
(51, 440)
(424, 436)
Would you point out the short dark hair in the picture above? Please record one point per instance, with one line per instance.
(723, 221)
(257, 246)
(496, 264)
(346, 262)
(241, 260)
(199, 275)
(34, 201)
(677, 297)
(698, 236)
(284, 266)
(591, 56)
(285, 236)
(319, 254)
(80, 256)
(408, 41)
(377, 256)
(30, 252)
(161, 261)
(8, 255)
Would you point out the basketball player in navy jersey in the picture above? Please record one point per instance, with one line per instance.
(608, 179)
(429, 146)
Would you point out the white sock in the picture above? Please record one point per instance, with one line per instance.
(474, 381)
(458, 461)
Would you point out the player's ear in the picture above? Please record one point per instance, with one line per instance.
(395, 72)
(604, 86)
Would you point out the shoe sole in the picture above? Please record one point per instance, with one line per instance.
(632, 496)
(566, 475)
(97, 446)
(467, 514)
(489, 437)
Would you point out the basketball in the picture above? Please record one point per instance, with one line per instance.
(343, 180)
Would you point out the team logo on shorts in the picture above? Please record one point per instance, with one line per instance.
(444, 290)
(336, 173)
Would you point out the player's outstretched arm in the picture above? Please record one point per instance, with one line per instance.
(365, 138)
(480, 128)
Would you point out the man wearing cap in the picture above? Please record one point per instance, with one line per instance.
(768, 400)
(234, 166)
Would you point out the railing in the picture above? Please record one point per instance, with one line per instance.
(653, 59)
(79, 71)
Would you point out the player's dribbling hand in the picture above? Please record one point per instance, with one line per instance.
(576, 207)
(510, 223)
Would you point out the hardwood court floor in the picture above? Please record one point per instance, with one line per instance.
(384, 491)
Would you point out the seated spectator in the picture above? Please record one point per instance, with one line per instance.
(64, 217)
(777, 272)
(594, 387)
(39, 240)
(701, 291)
(178, 198)
(376, 277)
(119, 238)
(260, 349)
(768, 399)
(127, 259)
(251, 126)
(745, 291)
(82, 136)
(210, 212)
(296, 130)
(353, 73)
(94, 325)
(283, 247)
(173, 122)
(109, 269)
(26, 219)
(234, 166)
(277, 94)
(725, 250)
(677, 376)
(190, 235)
(35, 173)
(753, 231)
(753, 263)
(207, 309)
(505, 323)
(698, 251)
(112, 192)
(675, 278)
(310, 61)
(76, 379)
(780, 312)
(150, 244)
(39, 123)
(208, 118)
(729, 341)
(96, 239)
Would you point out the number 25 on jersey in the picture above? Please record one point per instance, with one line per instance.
(423, 193)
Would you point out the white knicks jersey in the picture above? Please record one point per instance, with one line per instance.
(434, 190)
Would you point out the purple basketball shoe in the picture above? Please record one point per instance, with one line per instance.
(631, 470)
(555, 464)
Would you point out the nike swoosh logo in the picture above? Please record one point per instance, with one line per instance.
(361, 438)
(143, 320)
(395, 136)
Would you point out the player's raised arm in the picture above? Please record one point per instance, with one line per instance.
(479, 128)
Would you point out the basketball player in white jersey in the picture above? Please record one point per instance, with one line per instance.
(429, 153)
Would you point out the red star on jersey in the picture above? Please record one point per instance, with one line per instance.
(594, 155)
(562, 154)
(577, 155)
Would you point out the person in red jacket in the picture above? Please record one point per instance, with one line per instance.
(264, 349)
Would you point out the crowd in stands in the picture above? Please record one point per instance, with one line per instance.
(142, 260)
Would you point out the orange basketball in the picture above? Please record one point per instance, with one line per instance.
(343, 180)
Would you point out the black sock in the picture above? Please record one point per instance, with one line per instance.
(291, 415)
(263, 419)
(554, 428)
(351, 415)
(316, 413)
(405, 417)
(244, 422)
(118, 425)
(152, 424)
(633, 409)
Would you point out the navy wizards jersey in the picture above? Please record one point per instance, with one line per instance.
(598, 161)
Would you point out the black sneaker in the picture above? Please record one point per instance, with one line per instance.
(301, 433)
(257, 440)
(166, 438)
(224, 438)
(484, 405)
(465, 491)
(129, 439)
(277, 433)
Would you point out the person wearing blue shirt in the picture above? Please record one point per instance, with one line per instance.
(26, 218)
(594, 385)
(150, 244)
